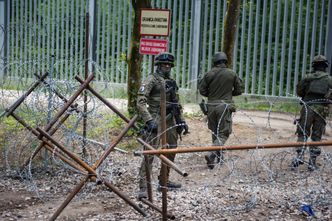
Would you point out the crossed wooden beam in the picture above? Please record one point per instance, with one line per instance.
(52, 145)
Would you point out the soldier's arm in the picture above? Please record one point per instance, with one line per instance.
(329, 92)
(238, 86)
(330, 82)
(301, 87)
(142, 99)
(203, 86)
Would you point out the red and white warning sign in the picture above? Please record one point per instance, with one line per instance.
(153, 46)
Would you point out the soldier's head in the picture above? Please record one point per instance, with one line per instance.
(219, 58)
(319, 63)
(164, 62)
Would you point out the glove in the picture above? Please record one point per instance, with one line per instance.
(182, 128)
(151, 126)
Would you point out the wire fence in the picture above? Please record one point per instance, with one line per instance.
(275, 43)
(245, 182)
(49, 37)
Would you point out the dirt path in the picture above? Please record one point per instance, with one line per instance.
(250, 185)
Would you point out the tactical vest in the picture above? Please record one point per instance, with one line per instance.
(318, 85)
(154, 98)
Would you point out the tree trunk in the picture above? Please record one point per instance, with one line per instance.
(230, 24)
(135, 59)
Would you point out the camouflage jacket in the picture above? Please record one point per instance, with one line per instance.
(315, 86)
(220, 84)
(148, 100)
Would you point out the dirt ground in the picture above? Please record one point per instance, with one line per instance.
(250, 185)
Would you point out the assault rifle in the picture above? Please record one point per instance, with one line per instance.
(203, 107)
(174, 108)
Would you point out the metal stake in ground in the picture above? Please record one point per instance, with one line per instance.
(163, 143)
(106, 183)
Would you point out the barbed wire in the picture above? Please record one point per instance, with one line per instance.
(243, 181)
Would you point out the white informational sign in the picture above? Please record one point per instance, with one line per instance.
(155, 22)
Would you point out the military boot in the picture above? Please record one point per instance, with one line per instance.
(210, 161)
(297, 161)
(170, 185)
(142, 193)
(312, 164)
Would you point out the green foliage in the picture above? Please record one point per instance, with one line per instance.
(119, 93)
(129, 144)
(8, 125)
(97, 127)
(281, 105)
(193, 114)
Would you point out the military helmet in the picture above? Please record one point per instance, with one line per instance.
(219, 56)
(164, 58)
(319, 60)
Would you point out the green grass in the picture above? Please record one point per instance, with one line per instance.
(281, 105)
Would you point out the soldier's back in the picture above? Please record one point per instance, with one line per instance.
(221, 84)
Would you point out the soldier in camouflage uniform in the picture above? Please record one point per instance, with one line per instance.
(148, 105)
(219, 85)
(315, 90)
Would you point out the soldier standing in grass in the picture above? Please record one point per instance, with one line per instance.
(148, 105)
(219, 85)
(315, 90)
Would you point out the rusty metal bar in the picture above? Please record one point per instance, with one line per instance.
(48, 145)
(124, 197)
(102, 145)
(96, 165)
(26, 94)
(64, 159)
(52, 131)
(164, 159)
(79, 187)
(235, 147)
(69, 198)
(108, 104)
(148, 178)
(147, 202)
(163, 146)
(93, 175)
(86, 72)
(70, 154)
(38, 132)
(70, 102)
(115, 142)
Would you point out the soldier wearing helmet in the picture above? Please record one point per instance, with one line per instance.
(148, 105)
(315, 92)
(219, 85)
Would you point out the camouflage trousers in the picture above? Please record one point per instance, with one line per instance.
(312, 125)
(154, 140)
(220, 123)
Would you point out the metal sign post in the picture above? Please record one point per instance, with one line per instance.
(156, 22)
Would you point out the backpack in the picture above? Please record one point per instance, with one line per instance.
(318, 85)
